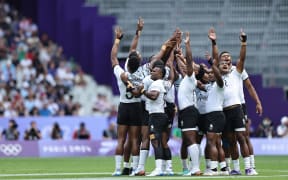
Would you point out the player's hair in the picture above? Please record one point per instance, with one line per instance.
(158, 62)
(223, 52)
(201, 72)
(162, 67)
(133, 62)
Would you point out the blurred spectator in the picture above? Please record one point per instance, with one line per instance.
(44, 111)
(34, 112)
(111, 132)
(82, 132)
(11, 133)
(265, 128)
(57, 132)
(282, 129)
(102, 106)
(33, 133)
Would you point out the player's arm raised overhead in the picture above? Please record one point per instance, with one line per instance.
(134, 44)
(212, 36)
(114, 51)
(169, 63)
(189, 59)
(180, 60)
(167, 47)
(242, 56)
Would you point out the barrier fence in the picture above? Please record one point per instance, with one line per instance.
(73, 148)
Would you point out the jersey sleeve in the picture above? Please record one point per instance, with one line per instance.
(118, 71)
(244, 75)
(193, 79)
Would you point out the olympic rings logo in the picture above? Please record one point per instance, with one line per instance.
(11, 149)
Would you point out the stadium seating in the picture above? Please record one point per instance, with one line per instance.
(265, 22)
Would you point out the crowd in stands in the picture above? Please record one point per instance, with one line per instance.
(11, 133)
(36, 79)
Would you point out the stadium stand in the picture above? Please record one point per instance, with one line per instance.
(265, 22)
(36, 78)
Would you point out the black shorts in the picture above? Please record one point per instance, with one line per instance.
(234, 119)
(145, 119)
(188, 118)
(215, 121)
(170, 112)
(158, 123)
(130, 114)
(202, 124)
(244, 109)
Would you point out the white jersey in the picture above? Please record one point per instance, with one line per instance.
(244, 76)
(177, 82)
(186, 92)
(211, 99)
(202, 97)
(122, 88)
(147, 81)
(170, 96)
(232, 83)
(215, 97)
(156, 106)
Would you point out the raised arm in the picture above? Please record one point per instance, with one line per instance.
(212, 36)
(140, 25)
(189, 59)
(241, 60)
(114, 51)
(171, 66)
(249, 86)
(180, 60)
(166, 48)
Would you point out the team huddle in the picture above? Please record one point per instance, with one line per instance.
(210, 102)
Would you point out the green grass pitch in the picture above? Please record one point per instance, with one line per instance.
(268, 167)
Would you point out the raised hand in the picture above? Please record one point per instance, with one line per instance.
(140, 24)
(118, 33)
(243, 36)
(212, 34)
(187, 37)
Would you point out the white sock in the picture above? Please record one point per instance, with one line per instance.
(252, 161)
(194, 154)
(247, 162)
(208, 163)
(135, 161)
(190, 164)
(236, 164)
(126, 165)
(222, 164)
(169, 164)
(159, 163)
(184, 163)
(228, 162)
(213, 165)
(163, 167)
(199, 147)
(142, 159)
(118, 160)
